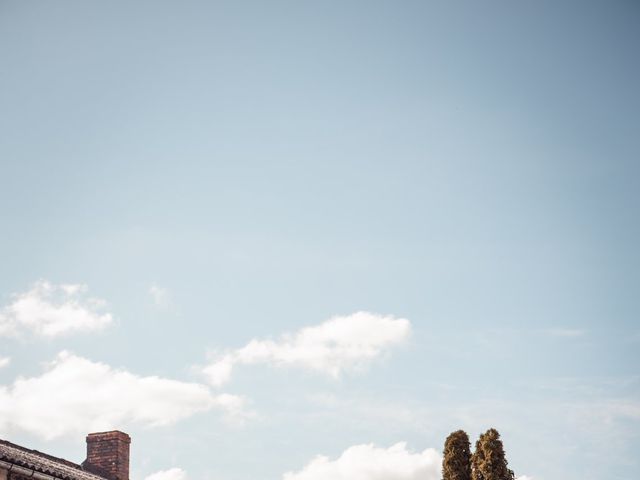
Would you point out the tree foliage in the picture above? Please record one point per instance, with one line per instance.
(488, 461)
(456, 462)
(477, 459)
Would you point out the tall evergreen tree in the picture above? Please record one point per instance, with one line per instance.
(477, 459)
(456, 462)
(489, 461)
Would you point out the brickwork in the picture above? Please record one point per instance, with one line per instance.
(108, 454)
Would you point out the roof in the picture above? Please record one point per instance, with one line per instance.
(41, 462)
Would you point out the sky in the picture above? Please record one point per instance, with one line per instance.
(297, 240)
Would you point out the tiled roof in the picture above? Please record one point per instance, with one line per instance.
(36, 461)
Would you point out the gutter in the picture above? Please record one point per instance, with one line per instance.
(26, 472)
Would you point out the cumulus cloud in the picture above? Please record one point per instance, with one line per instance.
(342, 343)
(52, 310)
(4, 361)
(171, 474)
(75, 395)
(368, 462)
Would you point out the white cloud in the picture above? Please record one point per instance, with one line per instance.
(52, 310)
(75, 395)
(342, 343)
(160, 296)
(171, 474)
(368, 462)
(4, 361)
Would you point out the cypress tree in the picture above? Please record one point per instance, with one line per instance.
(489, 461)
(477, 459)
(456, 461)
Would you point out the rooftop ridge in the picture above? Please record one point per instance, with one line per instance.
(41, 454)
(44, 463)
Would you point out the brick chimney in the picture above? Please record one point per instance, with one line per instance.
(108, 454)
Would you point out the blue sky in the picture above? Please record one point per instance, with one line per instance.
(218, 172)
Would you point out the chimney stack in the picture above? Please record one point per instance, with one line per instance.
(108, 454)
